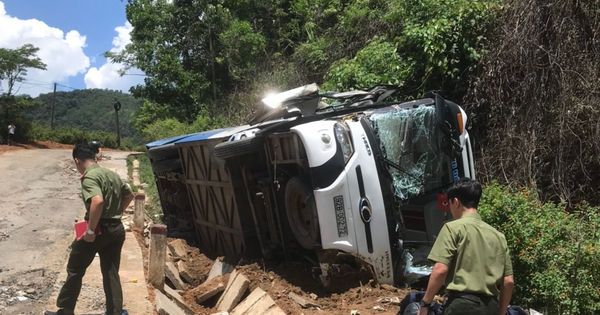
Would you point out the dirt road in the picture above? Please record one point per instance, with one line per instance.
(39, 202)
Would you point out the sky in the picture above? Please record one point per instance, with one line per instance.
(72, 36)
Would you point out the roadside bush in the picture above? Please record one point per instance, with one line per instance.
(543, 241)
(70, 135)
(171, 127)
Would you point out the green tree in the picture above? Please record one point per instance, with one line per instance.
(14, 64)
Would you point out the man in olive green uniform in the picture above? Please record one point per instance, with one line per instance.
(472, 259)
(105, 197)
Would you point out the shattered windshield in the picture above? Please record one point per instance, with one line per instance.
(410, 143)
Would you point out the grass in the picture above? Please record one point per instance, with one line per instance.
(146, 175)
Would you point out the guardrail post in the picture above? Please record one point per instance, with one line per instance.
(157, 256)
(139, 211)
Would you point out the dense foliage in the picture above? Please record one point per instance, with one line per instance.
(525, 70)
(535, 104)
(88, 110)
(220, 57)
(544, 241)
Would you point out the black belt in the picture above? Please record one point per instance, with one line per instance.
(475, 297)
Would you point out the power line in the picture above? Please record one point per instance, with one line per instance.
(68, 87)
(35, 80)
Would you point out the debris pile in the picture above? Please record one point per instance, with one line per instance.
(195, 284)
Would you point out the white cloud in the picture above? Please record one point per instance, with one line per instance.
(107, 75)
(63, 54)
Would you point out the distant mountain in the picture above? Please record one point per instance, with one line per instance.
(90, 109)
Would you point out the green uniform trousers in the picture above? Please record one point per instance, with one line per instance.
(108, 246)
(462, 306)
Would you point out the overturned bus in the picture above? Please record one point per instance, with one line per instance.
(332, 177)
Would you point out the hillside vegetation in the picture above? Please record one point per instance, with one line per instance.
(526, 71)
(89, 110)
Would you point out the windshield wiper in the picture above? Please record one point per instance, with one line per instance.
(400, 169)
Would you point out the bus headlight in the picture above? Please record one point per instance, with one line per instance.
(343, 138)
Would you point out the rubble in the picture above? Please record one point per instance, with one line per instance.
(258, 302)
(172, 274)
(185, 273)
(304, 303)
(176, 297)
(208, 289)
(164, 306)
(255, 288)
(236, 287)
(178, 248)
(219, 268)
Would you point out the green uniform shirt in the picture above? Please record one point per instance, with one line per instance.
(98, 181)
(476, 255)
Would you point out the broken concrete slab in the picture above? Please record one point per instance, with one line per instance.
(178, 299)
(179, 248)
(220, 313)
(185, 273)
(173, 274)
(249, 302)
(219, 268)
(258, 302)
(303, 302)
(274, 311)
(208, 289)
(236, 287)
(164, 306)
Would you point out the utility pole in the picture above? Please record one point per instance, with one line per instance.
(117, 106)
(53, 104)
(212, 64)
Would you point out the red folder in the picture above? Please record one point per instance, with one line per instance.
(81, 227)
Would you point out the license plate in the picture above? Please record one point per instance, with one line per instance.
(340, 216)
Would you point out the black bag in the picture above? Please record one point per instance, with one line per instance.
(410, 305)
(515, 310)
